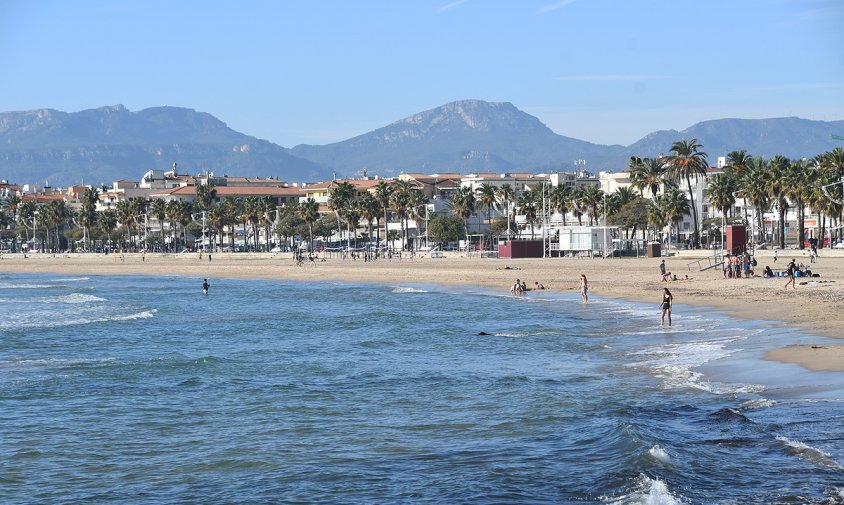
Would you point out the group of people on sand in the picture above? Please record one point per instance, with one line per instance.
(738, 265)
(520, 287)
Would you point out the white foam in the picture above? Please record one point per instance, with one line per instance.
(25, 286)
(674, 364)
(647, 491)
(405, 289)
(809, 453)
(75, 298)
(659, 454)
(74, 279)
(760, 403)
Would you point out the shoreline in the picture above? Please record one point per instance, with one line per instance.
(811, 308)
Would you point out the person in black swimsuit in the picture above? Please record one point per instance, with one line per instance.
(205, 286)
(665, 305)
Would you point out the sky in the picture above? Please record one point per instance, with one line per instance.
(322, 71)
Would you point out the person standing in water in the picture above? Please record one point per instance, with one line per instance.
(584, 288)
(205, 286)
(667, 303)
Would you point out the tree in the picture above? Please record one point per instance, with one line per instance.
(444, 228)
(12, 203)
(647, 173)
(383, 194)
(775, 183)
(341, 201)
(632, 214)
(26, 214)
(462, 206)
(401, 203)
(561, 199)
(688, 162)
(755, 191)
(368, 208)
(158, 208)
(486, 196)
(308, 211)
(107, 222)
(796, 186)
(674, 205)
(527, 206)
(592, 197)
(205, 195)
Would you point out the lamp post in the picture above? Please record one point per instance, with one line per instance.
(427, 244)
(203, 227)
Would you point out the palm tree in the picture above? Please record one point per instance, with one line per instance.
(12, 203)
(560, 200)
(592, 197)
(647, 173)
(486, 196)
(308, 211)
(688, 162)
(339, 201)
(775, 183)
(125, 215)
(755, 191)
(26, 214)
(462, 205)
(368, 208)
(205, 195)
(158, 208)
(383, 194)
(504, 195)
(527, 206)
(418, 202)
(797, 179)
(737, 161)
(674, 205)
(400, 202)
(107, 222)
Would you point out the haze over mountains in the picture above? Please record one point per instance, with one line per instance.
(110, 143)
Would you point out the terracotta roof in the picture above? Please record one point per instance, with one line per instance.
(223, 191)
(359, 184)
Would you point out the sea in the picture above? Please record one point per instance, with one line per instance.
(141, 389)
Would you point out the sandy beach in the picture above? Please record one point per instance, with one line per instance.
(813, 307)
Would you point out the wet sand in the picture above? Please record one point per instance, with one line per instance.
(815, 307)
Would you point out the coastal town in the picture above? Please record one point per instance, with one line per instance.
(677, 200)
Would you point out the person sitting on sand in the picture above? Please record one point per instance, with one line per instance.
(537, 285)
(767, 272)
(517, 288)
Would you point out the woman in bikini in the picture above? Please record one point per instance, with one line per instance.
(584, 288)
(665, 305)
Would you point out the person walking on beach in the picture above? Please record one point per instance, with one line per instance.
(790, 271)
(584, 288)
(727, 264)
(665, 305)
(662, 273)
(205, 286)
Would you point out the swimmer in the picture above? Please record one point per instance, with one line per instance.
(205, 286)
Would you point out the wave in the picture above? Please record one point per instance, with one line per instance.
(74, 298)
(405, 289)
(41, 322)
(760, 403)
(647, 491)
(674, 363)
(809, 453)
(659, 454)
(4, 285)
(74, 279)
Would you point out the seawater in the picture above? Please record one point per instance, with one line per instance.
(141, 389)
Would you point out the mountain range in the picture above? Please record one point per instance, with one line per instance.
(110, 143)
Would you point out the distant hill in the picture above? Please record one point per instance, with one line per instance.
(464, 136)
(110, 143)
(101, 145)
(791, 137)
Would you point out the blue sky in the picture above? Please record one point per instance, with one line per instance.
(607, 71)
